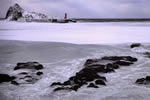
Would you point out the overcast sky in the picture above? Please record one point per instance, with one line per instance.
(83, 8)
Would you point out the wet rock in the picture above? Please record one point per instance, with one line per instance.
(5, 78)
(14, 83)
(92, 85)
(100, 82)
(23, 73)
(145, 80)
(61, 88)
(100, 68)
(29, 65)
(123, 63)
(114, 66)
(90, 61)
(56, 83)
(131, 59)
(92, 70)
(29, 74)
(39, 73)
(75, 87)
(13, 77)
(39, 67)
(118, 58)
(113, 58)
(147, 54)
(135, 45)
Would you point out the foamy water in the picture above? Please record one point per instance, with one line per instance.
(62, 63)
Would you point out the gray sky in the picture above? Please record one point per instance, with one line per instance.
(83, 8)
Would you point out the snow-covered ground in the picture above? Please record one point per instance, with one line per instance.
(62, 60)
(80, 33)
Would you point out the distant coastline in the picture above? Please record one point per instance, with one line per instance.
(104, 19)
(111, 19)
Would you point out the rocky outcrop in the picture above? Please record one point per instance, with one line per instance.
(26, 73)
(16, 12)
(90, 74)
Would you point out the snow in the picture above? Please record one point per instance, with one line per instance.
(79, 33)
(62, 60)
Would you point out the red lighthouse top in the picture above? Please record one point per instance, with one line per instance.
(65, 17)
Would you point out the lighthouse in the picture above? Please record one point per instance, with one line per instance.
(65, 17)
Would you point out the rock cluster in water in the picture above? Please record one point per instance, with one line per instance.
(144, 81)
(90, 74)
(27, 73)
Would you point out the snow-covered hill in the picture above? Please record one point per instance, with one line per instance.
(16, 12)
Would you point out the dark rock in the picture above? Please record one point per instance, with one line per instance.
(100, 82)
(118, 58)
(61, 88)
(147, 78)
(56, 83)
(23, 73)
(15, 12)
(92, 85)
(14, 83)
(29, 65)
(31, 80)
(135, 45)
(144, 81)
(67, 82)
(28, 76)
(100, 68)
(146, 53)
(5, 78)
(39, 73)
(13, 77)
(87, 74)
(75, 87)
(90, 61)
(123, 63)
(114, 66)
(91, 70)
(140, 81)
(38, 67)
(109, 69)
(113, 58)
(131, 59)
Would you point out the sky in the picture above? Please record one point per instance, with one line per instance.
(83, 8)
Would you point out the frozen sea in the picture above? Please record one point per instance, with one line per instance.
(63, 49)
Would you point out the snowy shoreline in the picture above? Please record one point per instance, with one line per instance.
(78, 33)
